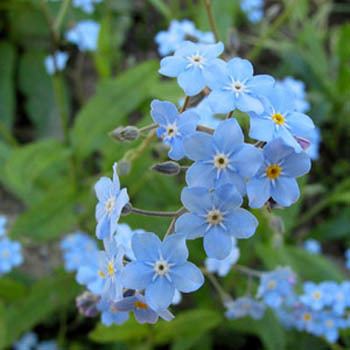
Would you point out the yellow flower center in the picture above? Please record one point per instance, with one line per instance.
(101, 274)
(140, 305)
(273, 171)
(110, 268)
(307, 316)
(317, 295)
(278, 118)
(272, 284)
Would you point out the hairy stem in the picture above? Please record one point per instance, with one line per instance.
(211, 19)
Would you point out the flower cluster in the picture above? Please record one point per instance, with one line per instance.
(87, 6)
(254, 9)
(30, 341)
(10, 251)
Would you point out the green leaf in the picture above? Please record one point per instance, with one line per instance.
(307, 266)
(162, 8)
(268, 329)
(114, 100)
(47, 296)
(7, 88)
(11, 290)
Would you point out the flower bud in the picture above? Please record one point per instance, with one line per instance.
(127, 133)
(127, 209)
(87, 304)
(167, 168)
(124, 167)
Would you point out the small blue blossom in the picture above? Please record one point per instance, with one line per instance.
(47, 345)
(317, 296)
(10, 255)
(173, 126)
(160, 268)
(306, 319)
(276, 287)
(276, 177)
(222, 157)
(313, 246)
(215, 215)
(111, 201)
(178, 31)
(341, 298)
(85, 35)
(254, 9)
(87, 6)
(279, 119)
(56, 63)
(313, 146)
(3, 223)
(110, 314)
(235, 87)
(77, 248)
(102, 274)
(206, 114)
(190, 63)
(142, 311)
(297, 90)
(330, 325)
(245, 306)
(28, 341)
(123, 238)
(222, 267)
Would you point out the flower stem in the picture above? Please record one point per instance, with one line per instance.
(148, 127)
(61, 14)
(211, 19)
(225, 297)
(157, 213)
(229, 115)
(205, 129)
(186, 104)
(172, 223)
(248, 271)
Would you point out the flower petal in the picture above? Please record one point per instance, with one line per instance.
(296, 164)
(191, 81)
(159, 294)
(248, 160)
(102, 188)
(221, 101)
(227, 135)
(258, 191)
(174, 249)
(172, 66)
(242, 224)
(136, 275)
(146, 246)
(163, 112)
(187, 277)
(285, 192)
(196, 199)
(239, 68)
(198, 146)
(217, 243)
(191, 225)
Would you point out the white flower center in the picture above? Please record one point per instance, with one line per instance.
(171, 131)
(214, 217)
(196, 60)
(237, 87)
(161, 267)
(329, 324)
(221, 161)
(271, 284)
(317, 295)
(110, 204)
(5, 253)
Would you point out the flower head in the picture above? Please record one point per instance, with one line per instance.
(87, 6)
(313, 246)
(245, 306)
(3, 223)
(10, 255)
(56, 62)
(110, 314)
(85, 35)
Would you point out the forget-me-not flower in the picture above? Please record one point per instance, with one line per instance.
(206, 115)
(56, 62)
(190, 63)
(222, 157)
(160, 268)
(10, 255)
(87, 6)
(276, 177)
(111, 201)
(85, 35)
(142, 311)
(215, 215)
(27, 342)
(235, 87)
(313, 246)
(110, 314)
(279, 119)
(3, 223)
(254, 9)
(173, 126)
(123, 238)
(317, 296)
(245, 306)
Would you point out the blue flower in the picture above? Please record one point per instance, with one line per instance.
(102, 274)
(235, 87)
(222, 157)
(77, 249)
(341, 298)
(110, 314)
(317, 296)
(190, 63)
(276, 287)
(10, 255)
(112, 200)
(57, 62)
(297, 90)
(254, 9)
(206, 114)
(27, 342)
(312, 146)
(160, 268)
(276, 177)
(215, 215)
(47, 345)
(142, 311)
(123, 238)
(279, 119)
(245, 306)
(85, 35)
(173, 126)
(329, 325)
(87, 6)
(3, 223)
(312, 246)
(222, 267)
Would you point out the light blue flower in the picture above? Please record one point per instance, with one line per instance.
(215, 215)
(276, 177)
(245, 306)
(110, 314)
(3, 223)
(142, 311)
(306, 319)
(223, 267)
(330, 325)
(123, 238)
(254, 9)
(276, 287)
(111, 201)
(222, 157)
(47, 345)
(279, 119)
(160, 268)
(190, 63)
(102, 274)
(10, 255)
(235, 87)
(85, 35)
(206, 115)
(297, 90)
(27, 342)
(173, 126)
(313, 246)
(317, 296)
(87, 6)
(341, 298)
(57, 62)
(312, 146)
(178, 31)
